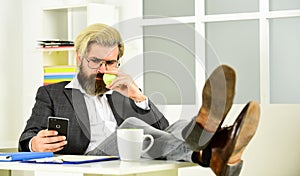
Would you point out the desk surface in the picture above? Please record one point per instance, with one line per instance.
(115, 167)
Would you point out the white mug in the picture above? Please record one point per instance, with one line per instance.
(130, 143)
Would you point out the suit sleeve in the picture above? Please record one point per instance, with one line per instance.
(162, 123)
(124, 107)
(38, 119)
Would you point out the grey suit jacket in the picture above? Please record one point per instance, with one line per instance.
(56, 100)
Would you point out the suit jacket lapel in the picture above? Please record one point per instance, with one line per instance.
(77, 100)
(117, 107)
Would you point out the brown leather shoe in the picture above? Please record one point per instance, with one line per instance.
(217, 99)
(229, 143)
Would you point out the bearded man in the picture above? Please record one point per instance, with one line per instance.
(95, 110)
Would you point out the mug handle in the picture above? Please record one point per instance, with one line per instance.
(151, 142)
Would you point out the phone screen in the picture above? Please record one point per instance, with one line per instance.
(59, 124)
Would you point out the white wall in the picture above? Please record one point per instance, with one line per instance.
(273, 149)
(10, 72)
(33, 62)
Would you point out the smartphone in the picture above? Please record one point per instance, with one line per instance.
(59, 124)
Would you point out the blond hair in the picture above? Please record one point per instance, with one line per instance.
(101, 34)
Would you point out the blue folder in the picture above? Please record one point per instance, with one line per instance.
(71, 159)
(22, 156)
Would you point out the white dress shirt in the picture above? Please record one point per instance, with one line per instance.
(102, 120)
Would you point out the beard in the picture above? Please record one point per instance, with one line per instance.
(92, 84)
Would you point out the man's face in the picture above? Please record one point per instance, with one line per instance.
(93, 65)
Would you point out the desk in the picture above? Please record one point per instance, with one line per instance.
(107, 168)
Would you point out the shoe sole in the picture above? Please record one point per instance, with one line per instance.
(217, 99)
(248, 123)
(233, 170)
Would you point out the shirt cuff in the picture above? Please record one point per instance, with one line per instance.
(143, 104)
(29, 145)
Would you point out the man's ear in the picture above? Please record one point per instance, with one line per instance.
(78, 59)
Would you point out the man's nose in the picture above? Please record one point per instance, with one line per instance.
(102, 68)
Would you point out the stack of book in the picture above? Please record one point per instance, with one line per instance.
(55, 74)
(55, 43)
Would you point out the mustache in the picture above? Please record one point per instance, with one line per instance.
(99, 75)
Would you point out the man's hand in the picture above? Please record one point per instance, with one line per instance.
(48, 141)
(125, 85)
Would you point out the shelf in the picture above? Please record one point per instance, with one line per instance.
(71, 6)
(50, 49)
(64, 23)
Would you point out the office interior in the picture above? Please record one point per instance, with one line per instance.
(259, 38)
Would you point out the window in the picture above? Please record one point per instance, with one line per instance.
(257, 38)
